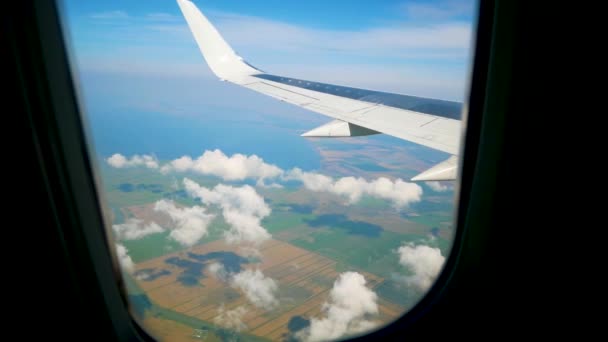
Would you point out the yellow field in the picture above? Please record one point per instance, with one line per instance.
(304, 280)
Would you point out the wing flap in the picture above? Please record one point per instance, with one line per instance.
(425, 129)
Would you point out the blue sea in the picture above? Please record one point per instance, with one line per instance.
(214, 116)
(168, 137)
(172, 117)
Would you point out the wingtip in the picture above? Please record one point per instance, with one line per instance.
(218, 54)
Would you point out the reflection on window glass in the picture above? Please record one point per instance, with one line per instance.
(228, 223)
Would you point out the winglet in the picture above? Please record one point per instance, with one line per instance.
(220, 57)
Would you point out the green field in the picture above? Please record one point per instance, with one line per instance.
(353, 243)
(432, 219)
(373, 255)
(351, 234)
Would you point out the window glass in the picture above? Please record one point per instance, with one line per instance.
(227, 222)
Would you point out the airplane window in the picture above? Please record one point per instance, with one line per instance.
(324, 215)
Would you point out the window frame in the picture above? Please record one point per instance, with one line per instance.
(72, 184)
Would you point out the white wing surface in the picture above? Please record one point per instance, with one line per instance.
(429, 122)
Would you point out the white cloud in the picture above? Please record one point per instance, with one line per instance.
(242, 208)
(218, 271)
(243, 199)
(241, 167)
(432, 54)
(312, 181)
(134, 229)
(216, 163)
(438, 186)
(347, 311)
(125, 261)
(261, 184)
(244, 227)
(399, 192)
(423, 261)
(119, 161)
(231, 319)
(417, 38)
(395, 40)
(110, 15)
(259, 289)
(191, 223)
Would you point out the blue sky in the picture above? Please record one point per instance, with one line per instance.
(146, 87)
(336, 14)
(416, 47)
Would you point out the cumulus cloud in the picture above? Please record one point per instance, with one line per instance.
(231, 319)
(124, 259)
(423, 261)
(312, 181)
(236, 167)
(242, 208)
(119, 161)
(261, 184)
(399, 192)
(244, 228)
(259, 289)
(346, 312)
(191, 223)
(218, 271)
(239, 167)
(438, 186)
(243, 199)
(134, 229)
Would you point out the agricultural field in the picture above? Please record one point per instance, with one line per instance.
(315, 237)
(180, 282)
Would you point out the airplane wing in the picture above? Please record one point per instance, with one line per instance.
(356, 112)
